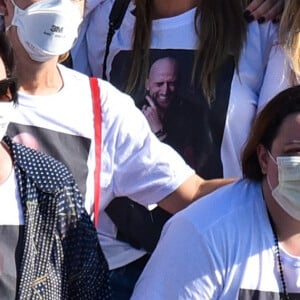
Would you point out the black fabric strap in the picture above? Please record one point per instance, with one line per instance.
(137, 226)
(116, 16)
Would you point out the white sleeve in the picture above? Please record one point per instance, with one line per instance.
(88, 51)
(181, 267)
(142, 167)
(79, 52)
(276, 76)
(244, 95)
(96, 35)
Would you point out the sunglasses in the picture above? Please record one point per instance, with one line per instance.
(8, 90)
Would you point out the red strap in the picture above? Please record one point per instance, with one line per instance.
(98, 140)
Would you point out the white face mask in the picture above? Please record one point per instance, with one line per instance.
(287, 192)
(6, 110)
(47, 28)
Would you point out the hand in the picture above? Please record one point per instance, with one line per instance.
(264, 10)
(152, 115)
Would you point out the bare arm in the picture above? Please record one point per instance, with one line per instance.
(264, 10)
(189, 191)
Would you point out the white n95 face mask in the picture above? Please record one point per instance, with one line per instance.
(287, 192)
(6, 110)
(47, 28)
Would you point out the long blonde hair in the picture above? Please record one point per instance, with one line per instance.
(222, 33)
(289, 35)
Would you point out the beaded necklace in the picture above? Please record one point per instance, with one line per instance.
(278, 257)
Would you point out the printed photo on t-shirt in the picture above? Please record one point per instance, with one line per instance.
(71, 150)
(263, 295)
(175, 107)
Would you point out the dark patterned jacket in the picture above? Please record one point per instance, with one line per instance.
(61, 256)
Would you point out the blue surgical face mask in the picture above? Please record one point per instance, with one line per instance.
(47, 28)
(287, 192)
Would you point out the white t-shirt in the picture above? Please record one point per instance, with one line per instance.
(221, 247)
(235, 108)
(277, 76)
(134, 162)
(11, 212)
(11, 232)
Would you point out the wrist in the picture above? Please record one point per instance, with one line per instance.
(160, 133)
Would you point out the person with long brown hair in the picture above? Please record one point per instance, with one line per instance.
(223, 59)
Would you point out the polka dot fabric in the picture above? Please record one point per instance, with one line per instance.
(62, 258)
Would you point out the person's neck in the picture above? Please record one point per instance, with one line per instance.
(286, 227)
(38, 78)
(5, 163)
(171, 8)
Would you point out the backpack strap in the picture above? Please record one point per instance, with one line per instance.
(98, 141)
(116, 16)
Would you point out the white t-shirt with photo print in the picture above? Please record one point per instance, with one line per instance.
(134, 162)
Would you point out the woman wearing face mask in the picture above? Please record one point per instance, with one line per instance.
(243, 241)
(48, 245)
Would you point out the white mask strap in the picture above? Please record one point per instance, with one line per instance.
(272, 157)
(269, 184)
(9, 26)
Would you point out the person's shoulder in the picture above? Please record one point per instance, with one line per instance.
(113, 97)
(75, 79)
(222, 205)
(48, 173)
(71, 74)
(108, 91)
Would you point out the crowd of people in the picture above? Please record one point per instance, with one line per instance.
(136, 111)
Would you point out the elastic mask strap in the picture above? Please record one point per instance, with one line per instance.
(8, 27)
(272, 157)
(269, 184)
(13, 18)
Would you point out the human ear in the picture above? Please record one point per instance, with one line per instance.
(263, 158)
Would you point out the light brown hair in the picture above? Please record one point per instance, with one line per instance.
(222, 33)
(289, 35)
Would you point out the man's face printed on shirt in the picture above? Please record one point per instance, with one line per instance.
(161, 82)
